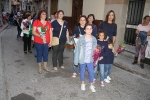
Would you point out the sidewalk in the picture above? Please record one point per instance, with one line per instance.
(3, 27)
(2, 82)
(124, 61)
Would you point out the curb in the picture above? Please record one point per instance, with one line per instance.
(4, 27)
(131, 70)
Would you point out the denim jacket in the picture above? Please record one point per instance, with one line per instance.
(79, 55)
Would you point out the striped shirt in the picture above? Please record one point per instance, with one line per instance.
(88, 51)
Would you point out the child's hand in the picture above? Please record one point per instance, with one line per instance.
(100, 58)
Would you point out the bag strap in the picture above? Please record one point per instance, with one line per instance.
(79, 30)
(61, 30)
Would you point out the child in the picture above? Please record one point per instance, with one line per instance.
(83, 55)
(78, 32)
(109, 61)
(101, 36)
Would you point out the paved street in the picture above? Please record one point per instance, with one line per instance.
(21, 80)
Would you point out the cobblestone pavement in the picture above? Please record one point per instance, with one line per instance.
(22, 81)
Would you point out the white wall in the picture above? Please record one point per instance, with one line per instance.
(95, 7)
(66, 6)
(146, 9)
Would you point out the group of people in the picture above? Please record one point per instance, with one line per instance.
(94, 48)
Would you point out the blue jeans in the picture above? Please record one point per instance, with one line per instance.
(95, 72)
(90, 71)
(35, 53)
(108, 68)
(75, 68)
(101, 67)
(19, 32)
(42, 52)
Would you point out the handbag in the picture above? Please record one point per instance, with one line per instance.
(55, 40)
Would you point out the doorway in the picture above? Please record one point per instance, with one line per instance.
(54, 6)
(134, 18)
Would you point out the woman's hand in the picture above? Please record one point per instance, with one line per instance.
(50, 44)
(100, 58)
(42, 36)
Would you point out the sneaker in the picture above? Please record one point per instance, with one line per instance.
(92, 88)
(108, 78)
(74, 75)
(55, 68)
(102, 84)
(62, 67)
(83, 87)
(94, 80)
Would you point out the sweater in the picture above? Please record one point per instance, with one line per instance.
(104, 50)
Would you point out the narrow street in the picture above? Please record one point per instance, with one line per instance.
(22, 81)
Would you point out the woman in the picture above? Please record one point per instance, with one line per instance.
(143, 28)
(60, 27)
(42, 39)
(19, 28)
(26, 34)
(90, 20)
(78, 32)
(110, 27)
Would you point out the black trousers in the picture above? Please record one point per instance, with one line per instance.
(58, 54)
(27, 42)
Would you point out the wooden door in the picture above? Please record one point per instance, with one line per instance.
(77, 6)
(54, 6)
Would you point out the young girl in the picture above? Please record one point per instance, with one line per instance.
(78, 32)
(104, 47)
(83, 55)
(109, 61)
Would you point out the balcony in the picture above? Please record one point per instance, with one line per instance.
(15, 2)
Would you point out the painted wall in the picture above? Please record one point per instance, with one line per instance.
(121, 15)
(147, 8)
(96, 8)
(66, 6)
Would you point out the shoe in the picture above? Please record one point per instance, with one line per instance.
(45, 67)
(55, 68)
(39, 68)
(30, 51)
(94, 80)
(25, 52)
(102, 84)
(106, 80)
(62, 67)
(74, 75)
(135, 61)
(92, 88)
(83, 87)
(142, 63)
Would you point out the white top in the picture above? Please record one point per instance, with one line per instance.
(18, 14)
(4, 13)
(88, 51)
(145, 29)
(22, 26)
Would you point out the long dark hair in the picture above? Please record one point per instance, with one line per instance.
(80, 18)
(91, 15)
(39, 14)
(107, 15)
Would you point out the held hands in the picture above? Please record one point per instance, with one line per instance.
(100, 58)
